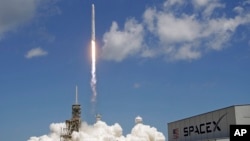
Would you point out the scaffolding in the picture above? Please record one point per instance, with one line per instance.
(74, 123)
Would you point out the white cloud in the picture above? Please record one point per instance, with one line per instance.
(238, 9)
(186, 52)
(170, 3)
(149, 18)
(36, 52)
(176, 35)
(200, 3)
(246, 2)
(14, 13)
(171, 29)
(118, 44)
(207, 7)
(211, 7)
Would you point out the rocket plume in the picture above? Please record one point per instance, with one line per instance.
(93, 71)
(93, 57)
(101, 131)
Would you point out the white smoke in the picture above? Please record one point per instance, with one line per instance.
(55, 132)
(100, 131)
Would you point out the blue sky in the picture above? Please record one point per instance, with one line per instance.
(162, 60)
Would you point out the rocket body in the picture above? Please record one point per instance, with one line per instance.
(93, 22)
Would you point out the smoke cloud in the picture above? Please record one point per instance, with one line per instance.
(100, 131)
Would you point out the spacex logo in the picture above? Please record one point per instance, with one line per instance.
(207, 127)
(176, 133)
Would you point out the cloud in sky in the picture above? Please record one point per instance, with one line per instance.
(176, 34)
(14, 13)
(120, 44)
(36, 52)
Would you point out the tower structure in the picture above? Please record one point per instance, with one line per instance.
(98, 117)
(138, 120)
(74, 123)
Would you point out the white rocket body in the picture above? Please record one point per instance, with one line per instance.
(93, 22)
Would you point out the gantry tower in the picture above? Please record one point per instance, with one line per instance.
(74, 123)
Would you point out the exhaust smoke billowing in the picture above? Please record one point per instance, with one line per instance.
(100, 131)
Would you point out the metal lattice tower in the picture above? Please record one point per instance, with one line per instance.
(74, 123)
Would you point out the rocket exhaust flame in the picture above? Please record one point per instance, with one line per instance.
(93, 57)
(93, 70)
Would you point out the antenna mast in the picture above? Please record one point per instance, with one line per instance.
(74, 123)
(76, 95)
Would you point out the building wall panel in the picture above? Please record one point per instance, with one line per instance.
(211, 125)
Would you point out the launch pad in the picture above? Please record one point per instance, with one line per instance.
(74, 123)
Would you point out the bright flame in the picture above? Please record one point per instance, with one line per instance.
(93, 70)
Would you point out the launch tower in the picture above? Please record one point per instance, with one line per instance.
(74, 123)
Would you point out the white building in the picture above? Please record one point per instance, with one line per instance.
(211, 126)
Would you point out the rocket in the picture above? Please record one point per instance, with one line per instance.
(93, 23)
(76, 95)
(93, 55)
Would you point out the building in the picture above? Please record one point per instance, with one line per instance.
(211, 126)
